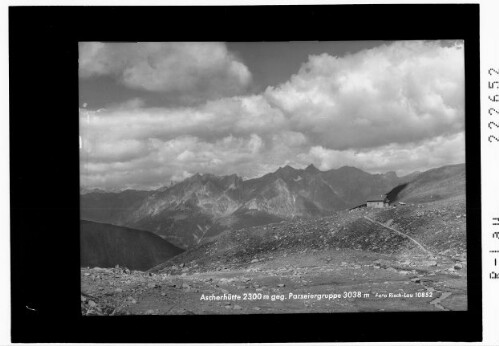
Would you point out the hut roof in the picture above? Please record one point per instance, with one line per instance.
(377, 198)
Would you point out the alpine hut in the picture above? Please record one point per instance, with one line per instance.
(377, 201)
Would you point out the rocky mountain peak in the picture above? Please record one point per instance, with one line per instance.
(286, 168)
(311, 169)
(390, 175)
(351, 170)
(286, 171)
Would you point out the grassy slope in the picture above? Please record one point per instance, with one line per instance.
(435, 184)
(105, 245)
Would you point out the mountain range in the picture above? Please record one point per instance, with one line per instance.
(204, 205)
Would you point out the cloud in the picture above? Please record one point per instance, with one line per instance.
(397, 93)
(205, 69)
(238, 116)
(399, 106)
(402, 158)
(172, 160)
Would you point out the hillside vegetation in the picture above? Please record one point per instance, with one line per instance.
(434, 185)
(103, 245)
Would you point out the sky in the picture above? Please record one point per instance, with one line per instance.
(152, 113)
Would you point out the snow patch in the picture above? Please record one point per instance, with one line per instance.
(298, 178)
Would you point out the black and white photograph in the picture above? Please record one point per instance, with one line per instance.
(251, 173)
(290, 177)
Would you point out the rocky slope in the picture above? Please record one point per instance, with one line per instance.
(440, 227)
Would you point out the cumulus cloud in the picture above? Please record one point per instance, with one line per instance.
(402, 158)
(174, 160)
(398, 107)
(397, 93)
(205, 69)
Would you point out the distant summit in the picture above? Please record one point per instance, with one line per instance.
(390, 174)
(311, 169)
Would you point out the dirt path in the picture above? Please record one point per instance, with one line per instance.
(400, 233)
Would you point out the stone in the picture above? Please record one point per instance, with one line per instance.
(237, 307)
(281, 285)
(151, 285)
(458, 266)
(254, 260)
(118, 290)
(92, 304)
(150, 312)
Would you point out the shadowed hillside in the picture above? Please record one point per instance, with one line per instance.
(433, 185)
(103, 245)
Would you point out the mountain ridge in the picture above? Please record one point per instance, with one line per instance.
(204, 205)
